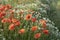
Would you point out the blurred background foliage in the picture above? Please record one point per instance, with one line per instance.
(54, 11)
(58, 14)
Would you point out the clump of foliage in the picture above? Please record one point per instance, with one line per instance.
(26, 22)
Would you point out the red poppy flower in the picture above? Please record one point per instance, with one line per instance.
(43, 22)
(22, 31)
(45, 31)
(37, 35)
(2, 8)
(17, 23)
(14, 20)
(4, 20)
(34, 28)
(2, 14)
(11, 27)
(44, 25)
(33, 19)
(28, 17)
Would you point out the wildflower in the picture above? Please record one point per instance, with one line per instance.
(22, 31)
(11, 27)
(45, 31)
(44, 25)
(14, 20)
(5, 8)
(17, 23)
(43, 22)
(2, 8)
(33, 19)
(34, 28)
(2, 14)
(37, 35)
(28, 16)
(4, 20)
(12, 11)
